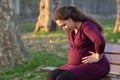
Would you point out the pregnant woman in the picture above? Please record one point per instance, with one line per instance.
(86, 58)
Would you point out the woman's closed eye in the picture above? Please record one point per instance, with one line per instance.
(63, 25)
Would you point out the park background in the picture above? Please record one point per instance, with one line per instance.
(49, 48)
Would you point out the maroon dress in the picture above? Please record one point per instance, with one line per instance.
(88, 38)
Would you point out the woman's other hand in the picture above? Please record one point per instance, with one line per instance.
(94, 57)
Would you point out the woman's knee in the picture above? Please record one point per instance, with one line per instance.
(53, 74)
(66, 76)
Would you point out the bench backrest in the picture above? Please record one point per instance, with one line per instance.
(113, 54)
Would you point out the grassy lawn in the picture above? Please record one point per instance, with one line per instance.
(108, 26)
(48, 49)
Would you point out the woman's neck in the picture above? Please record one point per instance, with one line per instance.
(77, 26)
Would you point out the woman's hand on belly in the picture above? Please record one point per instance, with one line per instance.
(93, 58)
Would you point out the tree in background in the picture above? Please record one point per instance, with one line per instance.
(43, 17)
(12, 51)
(117, 24)
(45, 21)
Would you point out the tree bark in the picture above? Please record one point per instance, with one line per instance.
(117, 24)
(43, 18)
(12, 50)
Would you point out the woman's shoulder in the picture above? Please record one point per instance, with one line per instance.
(88, 23)
(89, 26)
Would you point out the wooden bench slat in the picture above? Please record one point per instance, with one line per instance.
(112, 48)
(113, 58)
(113, 55)
(48, 68)
(115, 69)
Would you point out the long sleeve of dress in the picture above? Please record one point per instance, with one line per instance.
(92, 32)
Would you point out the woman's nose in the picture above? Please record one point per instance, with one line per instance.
(63, 28)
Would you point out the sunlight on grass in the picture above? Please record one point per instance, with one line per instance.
(108, 28)
(48, 34)
(52, 37)
(37, 34)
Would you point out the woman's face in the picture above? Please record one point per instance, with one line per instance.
(67, 25)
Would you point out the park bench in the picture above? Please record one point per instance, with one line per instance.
(113, 55)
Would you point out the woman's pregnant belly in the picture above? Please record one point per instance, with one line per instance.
(74, 56)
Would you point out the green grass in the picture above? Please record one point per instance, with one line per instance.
(28, 71)
(48, 49)
(110, 37)
(27, 28)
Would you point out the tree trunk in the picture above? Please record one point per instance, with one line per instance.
(43, 18)
(45, 21)
(12, 51)
(117, 25)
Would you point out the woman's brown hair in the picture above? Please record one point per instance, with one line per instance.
(66, 12)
